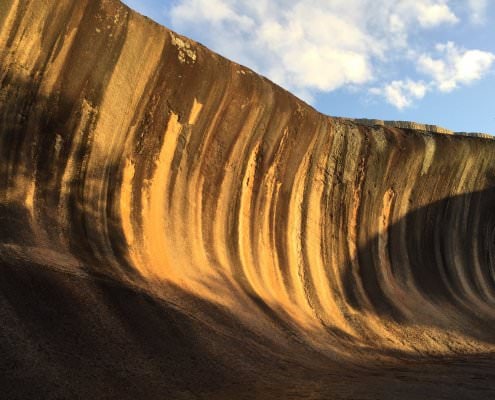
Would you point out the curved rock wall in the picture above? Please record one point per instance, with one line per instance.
(131, 154)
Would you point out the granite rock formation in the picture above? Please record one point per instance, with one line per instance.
(173, 225)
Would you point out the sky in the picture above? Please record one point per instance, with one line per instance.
(428, 61)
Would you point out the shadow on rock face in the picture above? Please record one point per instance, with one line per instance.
(435, 266)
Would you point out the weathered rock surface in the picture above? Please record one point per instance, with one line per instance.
(173, 225)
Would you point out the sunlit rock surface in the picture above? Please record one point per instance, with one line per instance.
(173, 225)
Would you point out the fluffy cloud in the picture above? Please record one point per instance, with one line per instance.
(478, 10)
(312, 46)
(402, 93)
(304, 46)
(430, 15)
(454, 66)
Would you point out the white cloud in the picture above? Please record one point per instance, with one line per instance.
(430, 15)
(455, 66)
(212, 11)
(401, 94)
(452, 67)
(312, 46)
(308, 45)
(307, 57)
(478, 9)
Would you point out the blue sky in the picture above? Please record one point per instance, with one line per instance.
(429, 61)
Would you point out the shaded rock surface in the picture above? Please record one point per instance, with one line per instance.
(173, 225)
